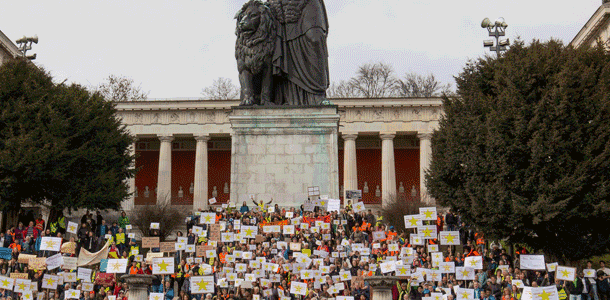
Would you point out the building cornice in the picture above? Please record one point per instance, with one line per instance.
(590, 32)
(182, 105)
(9, 46)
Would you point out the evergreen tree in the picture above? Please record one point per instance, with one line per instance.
(523, 150)
(59, 144)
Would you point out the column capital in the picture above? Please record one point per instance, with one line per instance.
(424, 135)
(387, 135)
(349, 136)
(165, 137)
(202, 137)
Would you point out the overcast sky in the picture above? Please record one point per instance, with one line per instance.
(175, 48)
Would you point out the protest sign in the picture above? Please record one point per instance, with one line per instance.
(532, 262)
(150, 242)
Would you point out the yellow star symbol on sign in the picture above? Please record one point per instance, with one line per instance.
(473, 262)
(203, 285)
(156, 297)
(565, 273)
(427, 232)
(299, 268)
(465, 295)
(298, 288)
(208, 218)
(26, 296)
(116, 266)
(163, 266)
(465, 273)
(428, 214)
(403, 271)
(5, 282)
(544, 295)
(73, 294)
(447, 268)
(232, 278)
(449, 238)
(71, 228)
(50, 244)
(306, 274)
(249, 232)
(413, 221)
(22, 286)
(344, 275)
(434, 276)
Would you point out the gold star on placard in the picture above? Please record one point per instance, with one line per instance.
(449, 238)
(208, 218)
(163, 266)
(249, 232)
(203, 285)
(50, 244)
(27, 296)
(116, 266)
(344, 275)
(447, 268)
(428, 214)
(565, 273)
(473, 263)
(22, 286)
(403, 271)
(156, 297)
(544, 295)
(465, 273)
(413, 221)
(5, 283)
(298, 288)
(427, 232)
(465, 295)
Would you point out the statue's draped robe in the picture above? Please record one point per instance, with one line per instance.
(300, 65)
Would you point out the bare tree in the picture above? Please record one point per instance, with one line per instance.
(119, 88)
(343, 89)
(375, 81)
(415, 85)
(221, 89)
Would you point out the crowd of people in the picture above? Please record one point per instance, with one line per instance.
(330, 252)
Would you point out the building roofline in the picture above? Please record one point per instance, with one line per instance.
(601, 15)
(9, 46)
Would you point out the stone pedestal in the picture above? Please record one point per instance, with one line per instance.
(381, 286)
(138, 285)
(277, 152)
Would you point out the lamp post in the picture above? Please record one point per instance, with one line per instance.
(496, 30)
(25, 44)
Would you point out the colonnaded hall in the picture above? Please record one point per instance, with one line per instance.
(184, 147)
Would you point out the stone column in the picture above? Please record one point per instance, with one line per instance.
(164, 179)
(128, 204)
(350, 171)
(200, 193)
(425, 154)
(388, 167)
(381, 286)
(138, 285)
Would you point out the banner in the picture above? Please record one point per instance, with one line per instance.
(86, 258)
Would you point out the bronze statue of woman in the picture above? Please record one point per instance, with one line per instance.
(300, 59)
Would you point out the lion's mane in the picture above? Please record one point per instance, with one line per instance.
(253, 50)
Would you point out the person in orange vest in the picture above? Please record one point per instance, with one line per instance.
(480, 240)
(134, 269)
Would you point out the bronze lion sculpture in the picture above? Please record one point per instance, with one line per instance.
(256, 33)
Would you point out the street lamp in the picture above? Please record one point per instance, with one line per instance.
(496, 30)
(25, 44)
